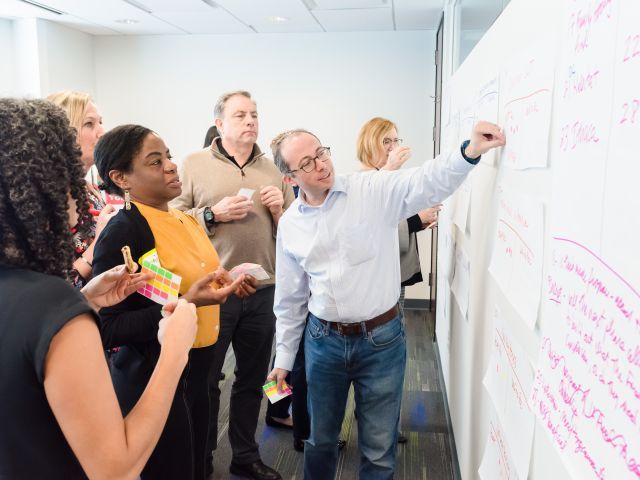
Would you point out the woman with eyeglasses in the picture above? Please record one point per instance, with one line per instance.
(59, 413)
(87, 122)
(379, 148)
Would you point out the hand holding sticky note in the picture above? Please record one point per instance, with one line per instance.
(246, 192)
(253, 269)
(271, 389)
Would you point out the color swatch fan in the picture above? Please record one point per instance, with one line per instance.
(164, 286)
(271, 389)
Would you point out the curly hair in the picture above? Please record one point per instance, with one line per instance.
(115, 151)
(39, 168)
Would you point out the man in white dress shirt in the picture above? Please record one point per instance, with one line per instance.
(337, 270)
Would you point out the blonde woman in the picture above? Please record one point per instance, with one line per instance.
(85, 118)
(379, 148)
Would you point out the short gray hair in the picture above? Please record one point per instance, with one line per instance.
(218, 110)
(276, 148)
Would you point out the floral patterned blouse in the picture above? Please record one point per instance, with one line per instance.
(82, 241)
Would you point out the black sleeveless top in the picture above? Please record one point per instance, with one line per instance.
(33, 309)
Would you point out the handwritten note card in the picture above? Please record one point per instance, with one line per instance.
(516, 263)
(460, 285)
(463, 202)
(508, 381)
(621, 222)
(526, 93)
(497, 463)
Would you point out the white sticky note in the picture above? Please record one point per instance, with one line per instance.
(246, 192)
(253, 269)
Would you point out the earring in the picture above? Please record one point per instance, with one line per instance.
(127, 200)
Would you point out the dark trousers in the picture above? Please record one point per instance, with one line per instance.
(181, 451)
(247, 324)
(301, 422)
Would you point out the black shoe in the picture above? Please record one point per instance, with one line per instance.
(402, 438)
(298, 445)
(275, 424)
(256, 470)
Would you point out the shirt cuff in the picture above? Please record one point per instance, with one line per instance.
(414, 224)
(472, 161)
(284, 360)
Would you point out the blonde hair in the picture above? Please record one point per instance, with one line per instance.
(369, 143)
(74, 104)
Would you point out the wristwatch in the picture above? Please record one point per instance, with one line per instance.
(209, 216)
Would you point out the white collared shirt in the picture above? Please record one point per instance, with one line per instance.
(340, 260)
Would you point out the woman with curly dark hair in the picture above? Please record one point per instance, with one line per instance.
(135, 163)
(59, 414)
(87, 121)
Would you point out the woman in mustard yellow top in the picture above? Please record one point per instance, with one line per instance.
(134, 162)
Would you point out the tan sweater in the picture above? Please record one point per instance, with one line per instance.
(207, 177)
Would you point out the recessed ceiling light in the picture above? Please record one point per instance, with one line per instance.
(127, 21)
(278, 19)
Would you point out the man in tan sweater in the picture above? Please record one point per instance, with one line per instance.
(242, 230)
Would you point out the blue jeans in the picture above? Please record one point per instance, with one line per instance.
(374, 362)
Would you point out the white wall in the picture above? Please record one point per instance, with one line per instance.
(66, 59)
(44, 57)
(27, 59)
(7, 54)
(329, 83)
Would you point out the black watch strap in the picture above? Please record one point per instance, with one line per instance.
(209, 216)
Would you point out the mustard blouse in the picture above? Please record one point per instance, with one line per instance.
(184, 248)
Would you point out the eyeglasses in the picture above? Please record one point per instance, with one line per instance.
(322, 154)
(388, 141)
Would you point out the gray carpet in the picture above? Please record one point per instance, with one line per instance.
(427, 455)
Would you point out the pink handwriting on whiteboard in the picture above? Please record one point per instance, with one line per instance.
(587, 388)
(629, 111)
(576, 134)
(582, 21)
(631, 47)
(579, 82)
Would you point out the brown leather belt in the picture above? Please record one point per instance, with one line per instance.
(356, 328)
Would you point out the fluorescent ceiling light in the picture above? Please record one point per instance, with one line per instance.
(43, 7)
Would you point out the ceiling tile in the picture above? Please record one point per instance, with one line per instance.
(348, 4)
(259, 15)
(374, 19)
(209, 22)
(418, 14)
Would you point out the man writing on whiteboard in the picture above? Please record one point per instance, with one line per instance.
(337, 269)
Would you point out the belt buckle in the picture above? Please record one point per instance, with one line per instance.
(340, 326)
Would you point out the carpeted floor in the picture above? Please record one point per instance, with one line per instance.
(428, 453)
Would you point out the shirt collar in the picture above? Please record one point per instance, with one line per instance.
(339, 185)
(218, 142)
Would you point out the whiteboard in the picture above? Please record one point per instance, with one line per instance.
(552, 319)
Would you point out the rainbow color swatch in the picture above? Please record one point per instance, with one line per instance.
(273, 395)
(164, 286)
